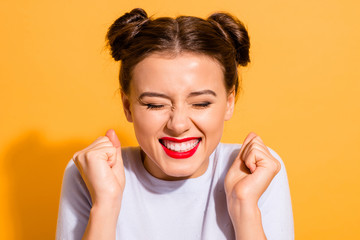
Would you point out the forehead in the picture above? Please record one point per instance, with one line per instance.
(176, 74)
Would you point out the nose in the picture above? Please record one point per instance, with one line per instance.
(179, 122)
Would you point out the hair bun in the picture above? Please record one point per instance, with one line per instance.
(235, 33)
(123, 30)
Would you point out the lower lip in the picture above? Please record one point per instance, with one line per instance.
(179, 155)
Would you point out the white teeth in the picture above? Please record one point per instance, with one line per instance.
(177, 147)
(180, 147)
(183, 146)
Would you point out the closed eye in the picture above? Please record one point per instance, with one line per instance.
(154, 106)
(201, 105)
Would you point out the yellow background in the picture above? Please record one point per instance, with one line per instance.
(301, 94)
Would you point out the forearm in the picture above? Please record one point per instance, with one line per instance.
(246, 219)
(102, 223)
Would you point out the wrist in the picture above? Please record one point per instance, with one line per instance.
(237, 203)
(246, 219)
(102, 222)
(107, 202)
(106, 208)
(107, 215)
(239, 208)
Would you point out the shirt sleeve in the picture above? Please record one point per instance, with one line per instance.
(74, 207)
(275, 207)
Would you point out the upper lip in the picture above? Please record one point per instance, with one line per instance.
(179, 140)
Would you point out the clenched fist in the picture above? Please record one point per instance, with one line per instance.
(101, 167)
(252, 171)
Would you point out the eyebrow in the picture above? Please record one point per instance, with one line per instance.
(153, 94)
(207, 91)
(192, 94)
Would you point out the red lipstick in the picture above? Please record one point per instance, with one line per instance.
(179, 140)
(179, 155)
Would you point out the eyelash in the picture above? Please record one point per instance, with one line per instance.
(202, 105)
(152, 106)
(197, 105)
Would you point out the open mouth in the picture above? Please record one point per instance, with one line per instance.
(180, 148)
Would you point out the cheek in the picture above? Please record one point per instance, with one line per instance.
(211, 122)
(147, 123)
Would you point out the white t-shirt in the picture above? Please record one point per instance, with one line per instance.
(178, 210)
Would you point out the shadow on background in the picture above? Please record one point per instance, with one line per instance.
(35, 169)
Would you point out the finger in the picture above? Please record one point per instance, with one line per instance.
(113, 138)
(236, 165)
(77, 164)
(248, 139)
(105, 153)
(253, 145)
(258, 140)
(100, 145)
(111, 158)
(118, 167)
(116, 143)
(267, 168)
(99, 140)
(253, 140)
(110, 154)
(97, 144)
(252, 162)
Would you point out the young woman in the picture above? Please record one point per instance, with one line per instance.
(179, 82)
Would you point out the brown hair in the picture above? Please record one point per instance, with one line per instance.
(134, 36)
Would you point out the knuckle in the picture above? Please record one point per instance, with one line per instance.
(96, 140)
(102, 139)
(105, 138)
(76, 155)
(276, 166)
(258, 140)
(75, 160)
(253, 150)
(255, 145)
(88, 156)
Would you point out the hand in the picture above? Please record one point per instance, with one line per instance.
(251, 172)
(101, 167)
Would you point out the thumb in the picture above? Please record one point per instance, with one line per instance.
(113, 138)
(118, 167)
(116, 143)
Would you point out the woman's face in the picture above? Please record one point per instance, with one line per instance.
(178, 107)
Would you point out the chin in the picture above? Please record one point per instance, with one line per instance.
(182, 171)
(180, 174)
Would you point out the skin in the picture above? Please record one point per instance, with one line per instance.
(179, 113)
(175, 111)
